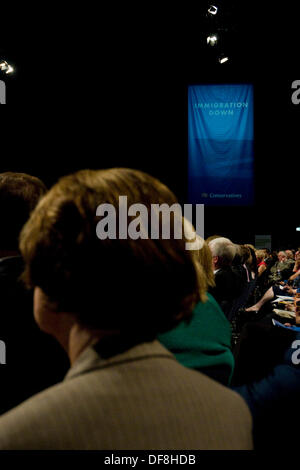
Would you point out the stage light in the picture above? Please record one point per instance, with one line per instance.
(213, 10)
(5, 67)
(10, 69)
(212, 40)
(223, 59)
(297, 229)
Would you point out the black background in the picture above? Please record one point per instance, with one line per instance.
(96, 88)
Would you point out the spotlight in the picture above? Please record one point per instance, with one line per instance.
(5, 67)
(10, 69)
(212, 40)
(297, 229)
(213, 10)
(223, 59)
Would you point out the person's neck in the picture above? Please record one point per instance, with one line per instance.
(78, 338)
(8, 253)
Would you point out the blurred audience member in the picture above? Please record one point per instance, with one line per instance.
(274, 398)
(282, 269)
(238, 262)
(204, 343)
(251, 261)
(261, 264)
(30, 354)
(294, 279)
(268, 259)
(290, 256)
(229, 283)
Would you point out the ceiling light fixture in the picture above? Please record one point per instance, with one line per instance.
(212, 40)
(213, 10)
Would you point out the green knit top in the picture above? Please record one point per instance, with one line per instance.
(205, 342)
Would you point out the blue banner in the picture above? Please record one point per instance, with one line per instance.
(220, 140)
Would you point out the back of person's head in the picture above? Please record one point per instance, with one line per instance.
(252, 247)
(224, 249)
(251, 261)
(138, 287)
(238, 258)
(19, 194)
(245, 254)
(212, 237)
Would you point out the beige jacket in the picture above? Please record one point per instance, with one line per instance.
(140, 399)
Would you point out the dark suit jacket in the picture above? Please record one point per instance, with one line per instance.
(34, 360)
(229, 285)
(141, 398)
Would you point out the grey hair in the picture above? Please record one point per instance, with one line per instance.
(224, 248)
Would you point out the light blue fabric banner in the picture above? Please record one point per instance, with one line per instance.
(220, 139)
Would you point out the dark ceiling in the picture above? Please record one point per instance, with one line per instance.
(96, 88)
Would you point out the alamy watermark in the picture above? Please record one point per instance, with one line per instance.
(296, 94)
(2, 92)
(2, 352)
(159, 217)
(296, 354)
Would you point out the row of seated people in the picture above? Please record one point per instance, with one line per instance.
(264, 372)
(283, 279)
(145, 358)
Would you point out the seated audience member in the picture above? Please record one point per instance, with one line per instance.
(246, 261)
(263, 278)
(261, 264)
(229, 283)
(282, 269)
(274, 399)
(30, 354)
(238, 263)
(268, 259)
(105, 299)
(294, 279)
(290, 255)
(204, 343)
(290, 260)
(248, 271)
(251, 261)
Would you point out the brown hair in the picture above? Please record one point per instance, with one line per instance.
(19, 194)
(139, 286)
(205, 258)
(251, 262)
